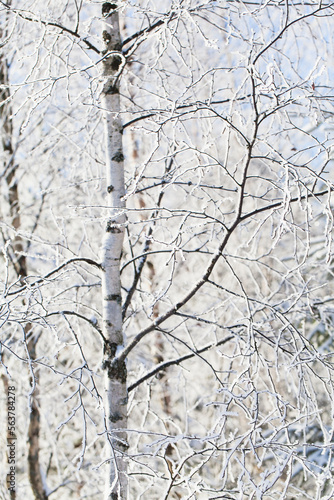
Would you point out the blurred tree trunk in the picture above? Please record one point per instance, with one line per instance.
(19, 263)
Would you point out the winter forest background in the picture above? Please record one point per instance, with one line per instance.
(166, 248)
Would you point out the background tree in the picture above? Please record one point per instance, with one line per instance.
(219, 244)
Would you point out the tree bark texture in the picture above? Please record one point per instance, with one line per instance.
(116, 374)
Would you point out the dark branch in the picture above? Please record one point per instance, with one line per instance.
(145, 31)
(199, 105)
(153, 326)
(287, 26)
(50, 23)
(81, 316)
(167, 364)
(54, 271)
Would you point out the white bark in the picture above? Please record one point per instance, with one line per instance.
(116, 392)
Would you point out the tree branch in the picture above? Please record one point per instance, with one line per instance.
(50, 23)
(122, 356)
(54, 271)
(167, 364)
(81, 316)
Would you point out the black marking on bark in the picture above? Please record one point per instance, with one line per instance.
(123, 445)
(106, 37)
(111, 228)
(116, 62)
(107, 7)
(109, 350)
(114, 297)
(110, 189)
(111, 90)
(116, 369)
(118, 157)
(115, 417)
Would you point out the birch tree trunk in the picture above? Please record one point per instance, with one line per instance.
(115, 374)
